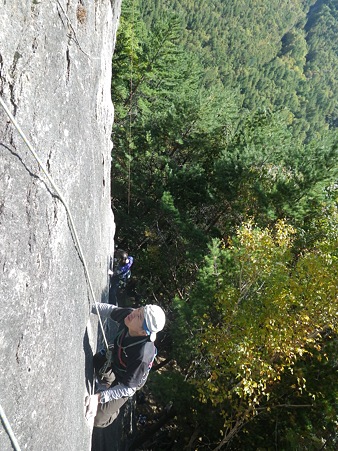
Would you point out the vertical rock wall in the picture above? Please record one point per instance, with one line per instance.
(55, 76)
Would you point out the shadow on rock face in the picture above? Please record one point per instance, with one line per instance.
(88, 350)
(89, 369)
(5, 147)
(115, 437)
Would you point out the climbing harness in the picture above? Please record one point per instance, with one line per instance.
(121, 349)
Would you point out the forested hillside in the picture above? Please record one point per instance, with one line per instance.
(279, 54)
(224, 188)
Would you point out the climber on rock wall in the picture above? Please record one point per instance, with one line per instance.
(119, 273)
(124, 367)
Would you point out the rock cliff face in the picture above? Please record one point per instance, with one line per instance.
(55, 63)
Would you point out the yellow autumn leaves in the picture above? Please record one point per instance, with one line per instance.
(273, 305)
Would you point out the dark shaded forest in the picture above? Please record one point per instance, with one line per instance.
(224, 189)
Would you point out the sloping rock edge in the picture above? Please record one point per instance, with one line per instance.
(55, 77)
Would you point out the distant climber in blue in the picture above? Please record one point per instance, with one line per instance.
(124, 368)
(119, 274)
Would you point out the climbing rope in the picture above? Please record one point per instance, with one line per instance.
(71, 222)
(9, 430)
(73, 30)
(131, 87)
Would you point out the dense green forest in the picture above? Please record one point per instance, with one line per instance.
(224, 189)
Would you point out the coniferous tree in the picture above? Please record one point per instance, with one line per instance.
(221, 119)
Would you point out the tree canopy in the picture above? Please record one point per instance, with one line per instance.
(224, 188)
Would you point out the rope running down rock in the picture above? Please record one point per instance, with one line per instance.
(9, 430)
(71, 222)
